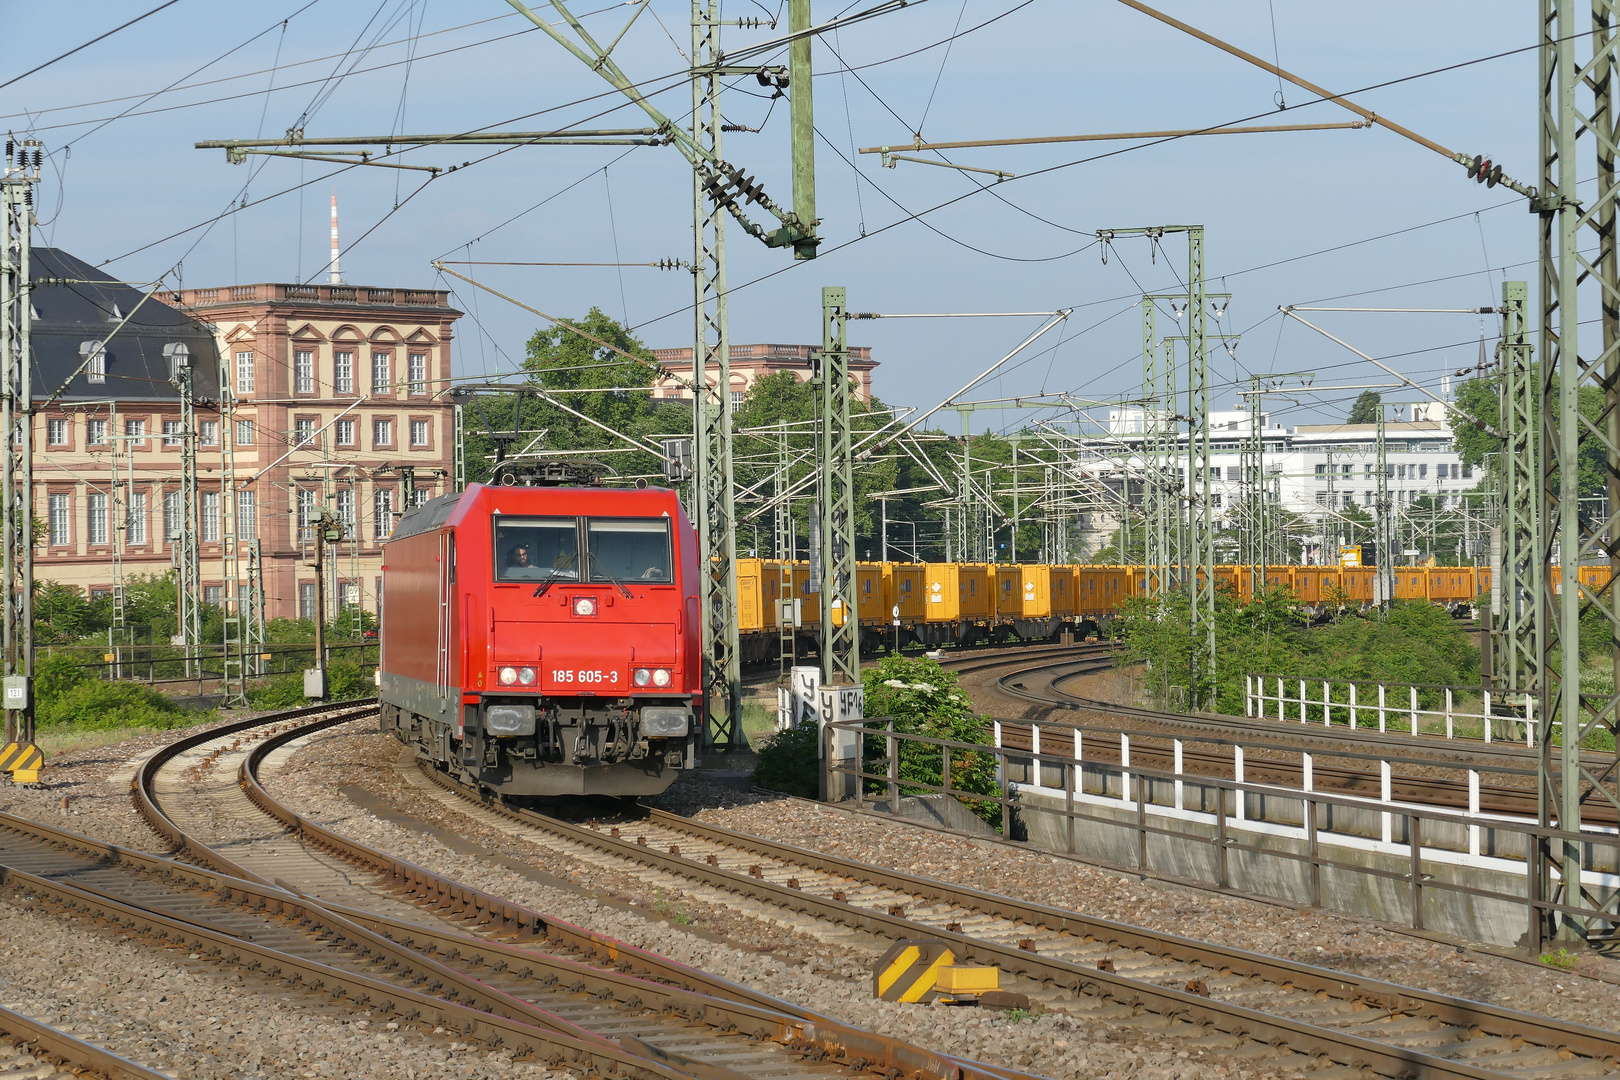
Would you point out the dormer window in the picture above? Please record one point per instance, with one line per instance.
(95, 354)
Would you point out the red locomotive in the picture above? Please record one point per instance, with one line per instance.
(545, 640)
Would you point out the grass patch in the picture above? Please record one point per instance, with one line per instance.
(66, 739)
(1563, 959)
(758, 719)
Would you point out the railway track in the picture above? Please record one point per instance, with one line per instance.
(1431, 765)
(569, 990)
(33, 1050)
(1214, 996)
(1041, 684)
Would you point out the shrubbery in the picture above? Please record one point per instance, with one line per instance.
(1415, 642)
(789, 762)
(923, 699)
(345, 682)
(96, 703)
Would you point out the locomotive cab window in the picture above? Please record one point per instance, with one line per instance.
(536, 549)
(629, 549)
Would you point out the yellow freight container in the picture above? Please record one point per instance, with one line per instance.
(774, 588)
(1009, 592)
(1063, 585)
(1025, 591)
(810, 601)
(751, 600)
(1037, 591)
(974, 590)
(957, 592)
(870, 608)
(904, 588)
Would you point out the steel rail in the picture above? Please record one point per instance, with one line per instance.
(635, 992)
(973, 661)
(364, 991)
(1342, 1046)
(74, 1051)
(1359, 737)
(726, 1004)
(1505, 759)
(848, 1042)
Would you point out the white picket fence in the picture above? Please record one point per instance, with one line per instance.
(1501, 715)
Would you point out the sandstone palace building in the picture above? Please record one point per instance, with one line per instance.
(340, 404)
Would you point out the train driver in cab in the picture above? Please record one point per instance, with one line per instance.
(518, 566)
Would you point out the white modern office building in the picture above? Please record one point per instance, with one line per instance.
(1313, 470)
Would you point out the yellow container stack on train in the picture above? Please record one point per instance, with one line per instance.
(1026, 591)
(869, 607)
(1009, 592)
(975, 590)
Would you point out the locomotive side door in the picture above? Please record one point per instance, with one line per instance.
(444, 679)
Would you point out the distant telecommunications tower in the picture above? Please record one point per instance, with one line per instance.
(336, 277)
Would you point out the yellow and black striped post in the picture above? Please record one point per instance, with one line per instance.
(908, 971)
(22, 761)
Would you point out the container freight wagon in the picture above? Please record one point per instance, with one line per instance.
(1098, 591)
(962, 603)
(1033, 602)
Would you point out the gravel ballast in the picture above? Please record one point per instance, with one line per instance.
(194, 1019)
(809, 969)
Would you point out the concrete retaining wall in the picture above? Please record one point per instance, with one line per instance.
(1280, 868)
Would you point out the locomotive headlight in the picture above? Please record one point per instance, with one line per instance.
(584, 605)
(509, 676)
(526, 676)
(642, 676)
(660, 677)
(664, 723)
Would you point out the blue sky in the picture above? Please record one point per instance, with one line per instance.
(1046, 67)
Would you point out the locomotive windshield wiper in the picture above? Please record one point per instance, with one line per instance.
(628, 595)
(540, 590)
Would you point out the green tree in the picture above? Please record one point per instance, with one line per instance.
(1366, 408)
(779, 409)
(1479, 443)
(592, 379)
(1415, 642)
(61, 613)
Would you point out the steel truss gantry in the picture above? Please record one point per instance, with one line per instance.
(1163, 493)
(1199, 553)
(714, 507)
(234, 615)
(1252, 516)
(183, 539)
(1521, 572)
(21, 173)
(840, 624)
(1578, 130)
